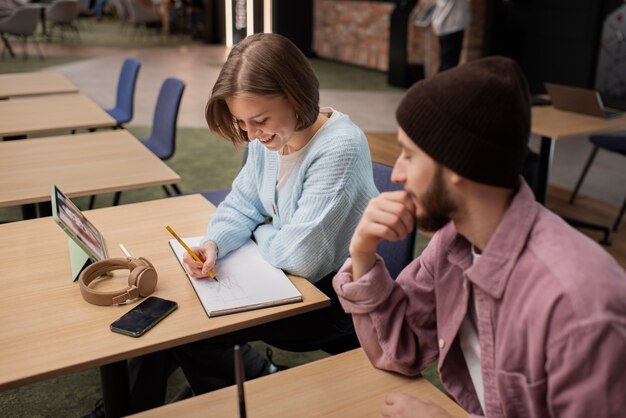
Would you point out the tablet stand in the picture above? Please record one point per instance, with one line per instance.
(79, 259)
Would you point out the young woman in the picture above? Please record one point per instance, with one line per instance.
(305, 184)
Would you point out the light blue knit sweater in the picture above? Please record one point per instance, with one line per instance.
(312, 224)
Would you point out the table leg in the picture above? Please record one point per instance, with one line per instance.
(541, 189)
(29, 211)
(543, 172)
(115, 389)
(44, 209)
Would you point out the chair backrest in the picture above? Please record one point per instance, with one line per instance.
(397, 255)
(121, 9)
(124, 103)
(63, 11)
(162, 140)
(22, 21)
(141, 13)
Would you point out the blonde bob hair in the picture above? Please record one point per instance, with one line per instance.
(263, 64)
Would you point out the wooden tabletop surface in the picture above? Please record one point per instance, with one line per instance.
(48, 329)
(345, 385)
(384, 147)
(34, 83)
(51, 113)
(553, 123)
(80, 165)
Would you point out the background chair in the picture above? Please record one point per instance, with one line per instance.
(162, 139)
(613, 143)
(62, 14)
(21, 23)
(121, 10)
(142, 16)
(216, 196)
(124, 103)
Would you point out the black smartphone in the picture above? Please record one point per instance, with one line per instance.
(144, 316)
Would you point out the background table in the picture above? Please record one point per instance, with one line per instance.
(552, 124)
(80, 165)
(35, 83)
(345, 385)
(49, 330)
(384, 147)
(51, 113)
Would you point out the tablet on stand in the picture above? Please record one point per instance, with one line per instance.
(86, 244)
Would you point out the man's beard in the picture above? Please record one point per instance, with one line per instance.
(436, 203)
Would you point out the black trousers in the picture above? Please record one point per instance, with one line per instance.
(209, 364)
(450, 47)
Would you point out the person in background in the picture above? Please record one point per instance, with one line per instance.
(450, 19)
(526, 316)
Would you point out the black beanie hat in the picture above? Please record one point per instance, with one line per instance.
(474, 119)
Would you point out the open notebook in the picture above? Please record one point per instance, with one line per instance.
(245, 281)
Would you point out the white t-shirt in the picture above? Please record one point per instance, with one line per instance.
(288, 163)
(470, 344)
(451, 16)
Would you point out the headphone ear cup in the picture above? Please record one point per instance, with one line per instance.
(145, 279)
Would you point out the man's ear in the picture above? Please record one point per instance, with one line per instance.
(453, 177)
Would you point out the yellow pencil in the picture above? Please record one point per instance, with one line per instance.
(186, 247)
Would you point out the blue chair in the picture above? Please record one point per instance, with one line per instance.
(162, 139)
(397, 255)
(217, 196)
(124, 103)
(612, 143)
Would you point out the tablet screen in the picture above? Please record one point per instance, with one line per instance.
(74, 223)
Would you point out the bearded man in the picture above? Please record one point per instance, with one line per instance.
(526, 316)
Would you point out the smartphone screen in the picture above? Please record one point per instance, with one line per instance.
(143, 316)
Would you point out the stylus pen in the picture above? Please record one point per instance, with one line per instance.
(125, 251)
(186, 247)
(240, 377)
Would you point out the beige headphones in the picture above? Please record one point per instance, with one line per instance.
(142, 280)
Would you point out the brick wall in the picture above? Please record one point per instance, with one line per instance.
(424, 48)
(357, 32)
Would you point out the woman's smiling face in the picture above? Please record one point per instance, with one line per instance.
(271, 120)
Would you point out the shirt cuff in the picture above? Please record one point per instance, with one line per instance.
(367, 293)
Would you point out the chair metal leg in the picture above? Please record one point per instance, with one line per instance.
(619, 217)
(176, 189)
(36, 42)
(116, 199)
(92, 201)
(584, 173)
(167, 191)
(7, 45)
(24, 49)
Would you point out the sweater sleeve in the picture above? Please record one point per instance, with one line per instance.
(241, 212)
(394, 320)
(332, 188)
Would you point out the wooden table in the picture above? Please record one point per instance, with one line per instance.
(345, 385)
(384, 147)
(552, 124)
(80, 165)
(49, 330)
(34, 83)
(51, 113)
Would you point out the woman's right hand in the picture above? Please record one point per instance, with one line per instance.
(207, 253)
